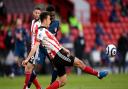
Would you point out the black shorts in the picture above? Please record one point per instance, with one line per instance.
(61, 60)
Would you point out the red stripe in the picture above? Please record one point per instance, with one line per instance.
(53, 52)
(36, 31)
(53, 45)
(52, 37)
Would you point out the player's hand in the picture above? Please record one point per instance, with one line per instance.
(24, 62)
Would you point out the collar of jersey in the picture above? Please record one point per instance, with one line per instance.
(36, 20)
(42, 27)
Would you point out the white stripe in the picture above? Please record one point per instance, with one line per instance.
(63, 57)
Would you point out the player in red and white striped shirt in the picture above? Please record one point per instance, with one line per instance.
(30, 65)
(49, 41)
(60, 57)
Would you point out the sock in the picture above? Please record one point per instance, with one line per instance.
(27, 88)
(27, 77)
(54, 85)
(32, 77)
(35, 81)
(90, 70)
(54, 76)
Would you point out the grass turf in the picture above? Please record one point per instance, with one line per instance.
(117, 81)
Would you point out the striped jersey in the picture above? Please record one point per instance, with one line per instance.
(34, 30)
(49, 41)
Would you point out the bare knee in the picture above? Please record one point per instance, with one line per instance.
(29, 67)
(79, 63)
(63, 80)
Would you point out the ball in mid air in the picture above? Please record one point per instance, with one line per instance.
(111, 50)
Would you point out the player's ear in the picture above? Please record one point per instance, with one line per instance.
(33, 13)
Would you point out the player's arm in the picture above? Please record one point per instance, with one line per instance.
(33, 50)
(31, 53)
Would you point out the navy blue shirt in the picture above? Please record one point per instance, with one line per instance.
(54, 26)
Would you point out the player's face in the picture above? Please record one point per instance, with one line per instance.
(52, 14)
(48, 21)
(36, 14)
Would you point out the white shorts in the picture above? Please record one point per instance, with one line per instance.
(34, 58)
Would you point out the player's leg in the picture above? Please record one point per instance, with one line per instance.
(39, 58)
(28, 70)
(33, 79)
(54, 75)
(58, 83)
(30, 76)
(54, 71)
(88, 69)
(62, 78)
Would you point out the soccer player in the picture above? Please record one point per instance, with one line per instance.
(54, 26)
(30, 65)
(59, 56)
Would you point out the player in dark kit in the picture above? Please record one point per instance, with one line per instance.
(54, 26)
(59, 56)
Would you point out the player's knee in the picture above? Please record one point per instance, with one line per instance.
(29, 67)
(63, 80)
(63, 83)
(79, 63)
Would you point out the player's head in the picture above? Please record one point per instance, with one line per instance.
(36, 12)
(45, 18)
(51, 10)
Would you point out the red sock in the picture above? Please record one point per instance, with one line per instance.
(54, 85)
(90, 70)
(36, 83)
(27, 77)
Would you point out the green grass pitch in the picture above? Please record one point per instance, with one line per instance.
(116, 81)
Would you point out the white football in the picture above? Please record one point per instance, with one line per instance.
(111, 50)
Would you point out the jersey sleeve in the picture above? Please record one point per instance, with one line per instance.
(40, 35)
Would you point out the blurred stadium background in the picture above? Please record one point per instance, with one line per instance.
(86, 28)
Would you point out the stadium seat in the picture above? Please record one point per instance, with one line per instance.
(9, 18)
(86, 31)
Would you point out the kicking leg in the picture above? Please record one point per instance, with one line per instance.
(89, 69)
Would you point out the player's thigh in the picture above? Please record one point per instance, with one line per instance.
(63, 79)
(78, 63)
(29, 67)
(63, 58)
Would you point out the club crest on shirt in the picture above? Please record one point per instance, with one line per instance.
(55, 29)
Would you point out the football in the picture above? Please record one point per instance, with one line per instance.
(111, 50)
